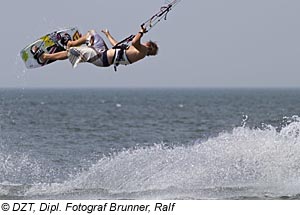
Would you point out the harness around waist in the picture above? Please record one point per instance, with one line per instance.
(120, 55)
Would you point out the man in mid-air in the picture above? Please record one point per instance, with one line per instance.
(97, 52)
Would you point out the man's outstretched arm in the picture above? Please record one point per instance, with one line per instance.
(136, 42)
(112, 40)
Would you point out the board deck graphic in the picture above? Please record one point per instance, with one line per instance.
(50, 43)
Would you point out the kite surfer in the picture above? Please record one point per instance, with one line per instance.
(91, 47)
(97, 52)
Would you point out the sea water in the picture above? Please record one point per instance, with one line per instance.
(149, 144)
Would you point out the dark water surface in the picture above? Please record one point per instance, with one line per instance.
(150, 144)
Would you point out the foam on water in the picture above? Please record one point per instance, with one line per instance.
(243, 163)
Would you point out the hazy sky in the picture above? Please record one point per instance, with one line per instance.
(204, 43)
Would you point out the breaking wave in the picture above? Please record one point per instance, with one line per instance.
(244, 163)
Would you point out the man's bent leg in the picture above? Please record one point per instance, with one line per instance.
(63, 55)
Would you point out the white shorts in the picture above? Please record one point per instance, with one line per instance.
(81, 54)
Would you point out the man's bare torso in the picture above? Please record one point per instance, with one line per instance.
(132, 53)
